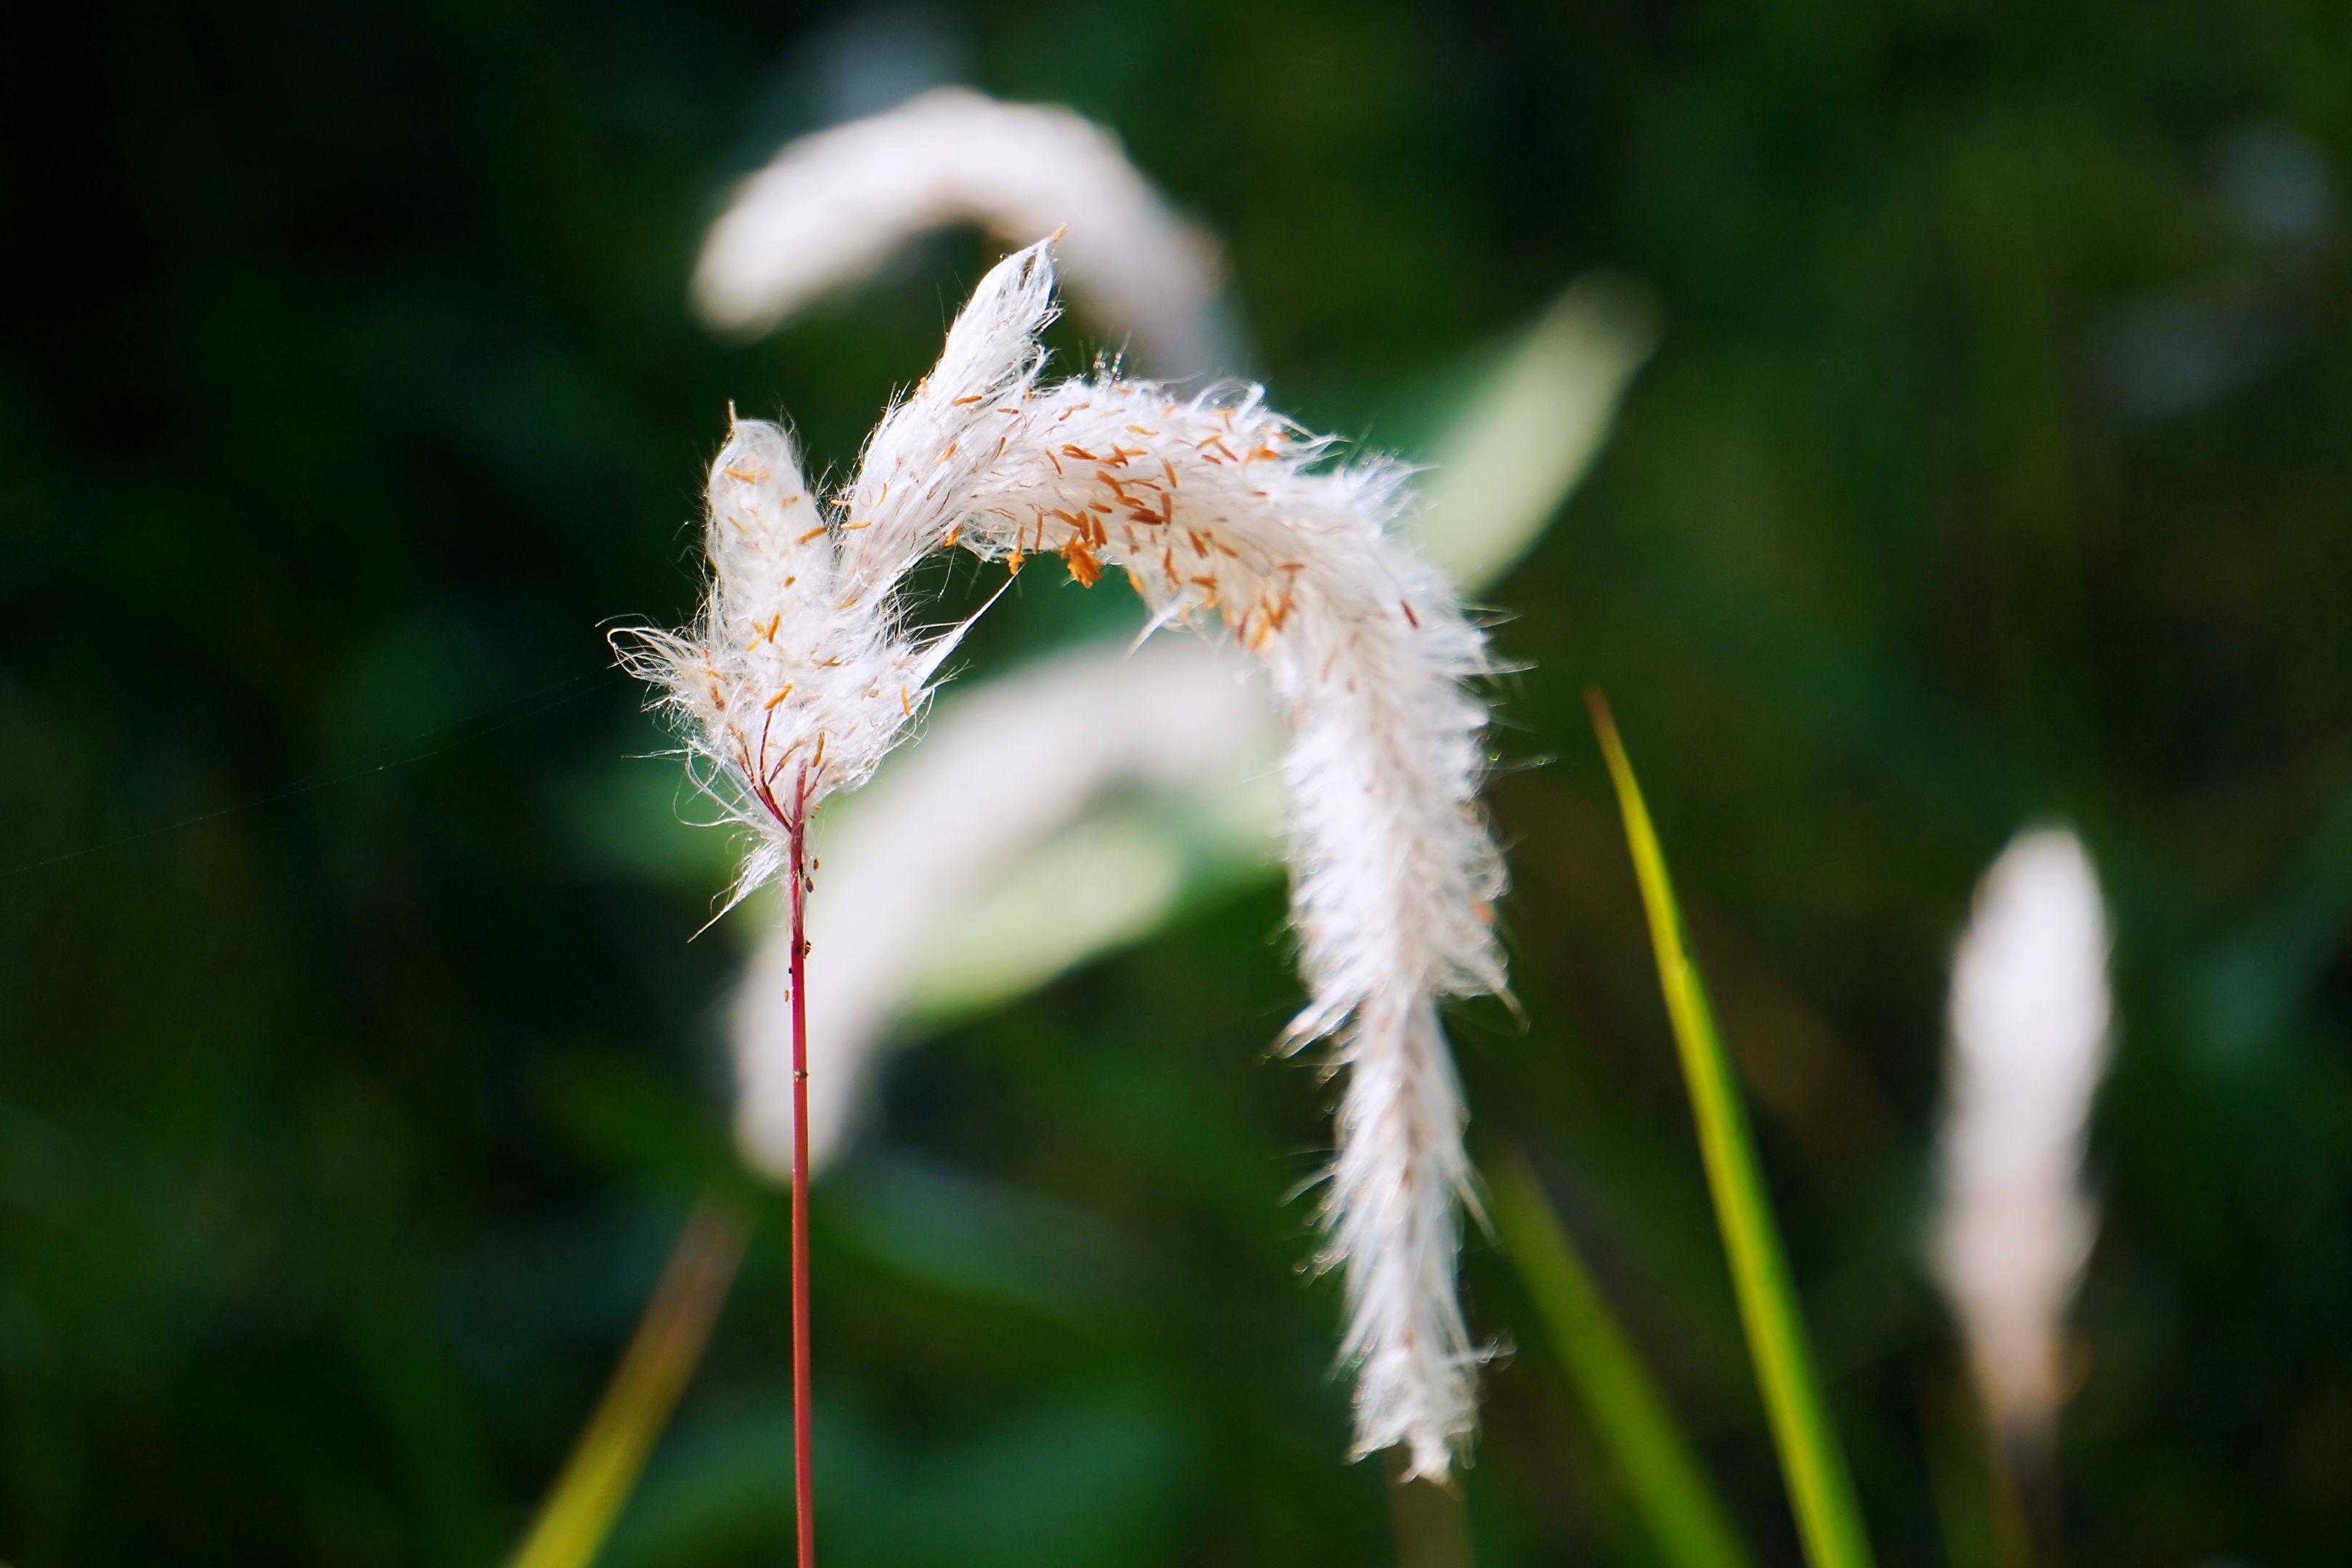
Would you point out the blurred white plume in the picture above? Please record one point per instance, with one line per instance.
(2030, 1010)
(833, 206)
(1177, 727)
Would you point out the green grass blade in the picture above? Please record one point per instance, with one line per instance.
(1653, 1459)
(619, 1437)
(1821, 1490)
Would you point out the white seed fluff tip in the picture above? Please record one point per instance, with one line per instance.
(2030, 1010)
(833, 206)
(787, 690)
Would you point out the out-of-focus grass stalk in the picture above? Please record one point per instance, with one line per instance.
(1976, 1500)
(1821, 1490)
(662, 1354)
(1653, 1459)
(1433, 1528)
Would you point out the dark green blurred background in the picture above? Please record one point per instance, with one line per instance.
(1994, 466)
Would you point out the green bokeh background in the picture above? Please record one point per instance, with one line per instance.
(1994, 468)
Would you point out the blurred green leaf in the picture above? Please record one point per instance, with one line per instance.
(1653, 1457)
(1087, 1477)
(1821, 1490)
(603, 1469)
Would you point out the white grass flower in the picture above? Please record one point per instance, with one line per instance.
(2030, 1010)
(1220, 510)
(790, 688)
(833, 206)
(1223, 514)
(798, 680)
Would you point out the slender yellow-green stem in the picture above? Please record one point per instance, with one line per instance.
(1654, 1460)
(1820, 1491)
(619, 1437)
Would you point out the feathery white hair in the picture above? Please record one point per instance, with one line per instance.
(830, 207)
(1217, 507)
(792, 685)
(2028, 1019)
(1221, 514)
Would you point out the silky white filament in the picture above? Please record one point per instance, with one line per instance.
(1221, 511)
(787, 690)
(833, 206)
(2029, 1025)
(1221, 514)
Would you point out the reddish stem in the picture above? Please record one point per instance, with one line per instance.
(803, 1494)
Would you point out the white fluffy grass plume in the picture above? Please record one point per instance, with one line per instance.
(789, 688)
(2029, 1020)
(833, 206)
(1219, 511)
(1225, 516)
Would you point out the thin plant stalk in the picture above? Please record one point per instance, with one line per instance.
(1821, 1489)
(1433, 1531)
(1654, 1460)
(804, 1487)
(1977, 1502)
(613, 1447)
